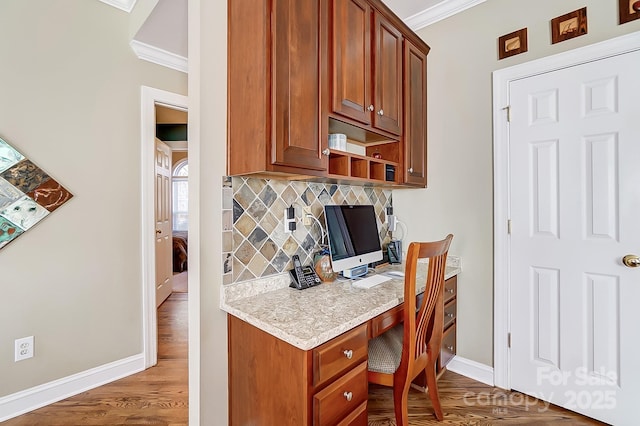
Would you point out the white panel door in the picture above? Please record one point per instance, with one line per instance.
(164, 239)
(574, 142)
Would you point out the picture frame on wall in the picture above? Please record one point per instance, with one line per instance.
(570, 25)
(512, 44)
(629, 10)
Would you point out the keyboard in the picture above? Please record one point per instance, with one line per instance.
(371, 281)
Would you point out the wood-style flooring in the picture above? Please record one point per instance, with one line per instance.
(159, 395)
(156, 396)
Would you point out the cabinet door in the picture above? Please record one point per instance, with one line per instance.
(415, 125)
(387, 71)
(296, 84)
(351, 59)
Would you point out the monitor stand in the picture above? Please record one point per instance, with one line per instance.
(358, 271)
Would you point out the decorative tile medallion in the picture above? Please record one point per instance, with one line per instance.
(260, 246)
(27, 194)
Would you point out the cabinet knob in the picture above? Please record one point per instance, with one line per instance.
(381, 113)
(158, 231)
(325, 151)
(348, 396)
(450, 290)
(450, 315)
(450, 348)
(371, 108)
(348, 353)
(410, 170)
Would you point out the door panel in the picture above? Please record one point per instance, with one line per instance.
(387, 114)
(575, 203)
(415, 126)
(351, 54)
(164, 269)
(296, 84)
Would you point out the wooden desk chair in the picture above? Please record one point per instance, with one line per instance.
(400, 354)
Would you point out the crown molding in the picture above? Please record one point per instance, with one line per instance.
(159, 56)
(126, 5)
(439, 12)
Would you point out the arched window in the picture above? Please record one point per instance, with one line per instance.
(181, 196)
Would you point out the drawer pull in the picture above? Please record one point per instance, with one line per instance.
(348, 353)
(450, 290)
(348, 396)
(449, 315)
(450, 348)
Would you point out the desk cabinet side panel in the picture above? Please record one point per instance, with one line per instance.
(268, 378)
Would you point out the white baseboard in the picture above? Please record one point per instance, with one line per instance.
(30, 399)
(471, 369)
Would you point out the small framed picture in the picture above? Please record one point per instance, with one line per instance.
(512, 43)
(573, 24)
(629, 10)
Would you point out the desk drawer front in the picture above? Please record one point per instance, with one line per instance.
(448, 346)
(339, 354)
(449, 314)
(357, 417)
(341, 398)
(450, 288)
(386, 320)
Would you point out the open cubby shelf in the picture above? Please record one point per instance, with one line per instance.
(346, 164)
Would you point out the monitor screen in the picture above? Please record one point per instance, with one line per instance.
(353, 236)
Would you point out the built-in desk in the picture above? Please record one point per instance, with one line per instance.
(299, 357)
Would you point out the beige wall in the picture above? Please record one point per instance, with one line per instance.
(459, 198)
(70, 102)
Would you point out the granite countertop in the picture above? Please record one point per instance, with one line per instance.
(308, 318)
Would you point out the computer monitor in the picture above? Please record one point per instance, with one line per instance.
(353, 238)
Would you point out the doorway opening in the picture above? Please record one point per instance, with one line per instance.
(152, 99)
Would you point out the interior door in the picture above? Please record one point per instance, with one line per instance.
(574, 142)
(164, 270)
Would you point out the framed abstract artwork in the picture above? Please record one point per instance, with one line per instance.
(570, 25)
(512, 43)
(628, 10)
(27, 194)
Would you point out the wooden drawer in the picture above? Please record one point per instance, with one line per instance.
(357, 417)
(448, 346)
(450, 288)
(341, 398)
(339, 355)
(449, 314)
(385, 321)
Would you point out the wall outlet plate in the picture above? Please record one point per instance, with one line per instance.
(23, 348)
(306, 212)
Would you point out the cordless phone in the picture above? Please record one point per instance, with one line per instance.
(303, 277)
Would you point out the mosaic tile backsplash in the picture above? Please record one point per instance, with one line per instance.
(254, 241)
(27, 194)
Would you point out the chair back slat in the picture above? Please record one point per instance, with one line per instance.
(419, 327)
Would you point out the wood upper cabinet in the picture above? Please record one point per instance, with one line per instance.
(366, 66)
(387, 71)
(415, 117)
(276, 84)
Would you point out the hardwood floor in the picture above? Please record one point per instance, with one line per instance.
(156, 396)
(467, 402)
(159, 395)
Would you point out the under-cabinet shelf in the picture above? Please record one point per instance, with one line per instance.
(344, 164)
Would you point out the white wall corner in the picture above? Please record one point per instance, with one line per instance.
(471, 369)
(439, 12)
(159, 56)
(30, 399)
(126, 5)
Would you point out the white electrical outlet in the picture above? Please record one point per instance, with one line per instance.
(24, 348)
(306, 212)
